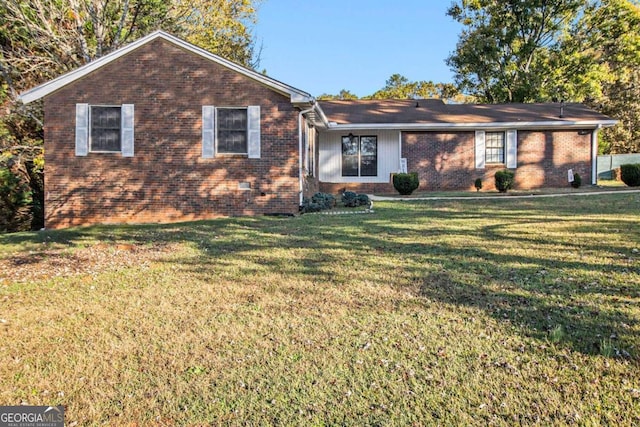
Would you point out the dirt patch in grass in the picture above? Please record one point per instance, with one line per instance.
(45, 264)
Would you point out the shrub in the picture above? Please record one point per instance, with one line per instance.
(406, 183)
(308, 206)
(327, 201)
(318, 202)
(478, 184)
(349, 199)
(577, 181)
(362, 200)
(15, 202)
(630, 174)
(504, 180)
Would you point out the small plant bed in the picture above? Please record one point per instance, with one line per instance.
(348, 202)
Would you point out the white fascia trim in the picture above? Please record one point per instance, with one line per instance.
(53, 85)
(474, 126)
(323, 117)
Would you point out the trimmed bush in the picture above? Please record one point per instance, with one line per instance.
(362, 200)
(406, 183)
(504, 180)
(478, 184)
(349, 199)
(577, 181)
(630, 174)
(326, 200)
(318, 202)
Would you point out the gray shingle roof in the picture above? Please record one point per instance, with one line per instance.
(434, 111)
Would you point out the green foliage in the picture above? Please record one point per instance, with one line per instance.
(505, 52)
(323, 201)
(15, 200)
(608, 31)
(399, 87)
(406, 183)
(577, 181)
(326, 200)
(318, 202)
(342, 95)
(533, 51)
(504, 180)
(351, 199)
(363, 200)
(478, 184)
(630, 174)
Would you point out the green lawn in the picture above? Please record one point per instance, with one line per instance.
(481, 312)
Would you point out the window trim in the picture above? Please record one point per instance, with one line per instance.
(487, 148)
(217, 131)
(359, 155)
(90, 129)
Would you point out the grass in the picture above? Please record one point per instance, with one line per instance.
(425, 312)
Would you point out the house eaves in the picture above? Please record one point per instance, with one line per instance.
(541, 125)
(297, 96)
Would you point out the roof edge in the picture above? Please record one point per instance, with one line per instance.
(581, 124)
(38, 92)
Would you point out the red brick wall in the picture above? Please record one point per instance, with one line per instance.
(167, 179)
(446, 160)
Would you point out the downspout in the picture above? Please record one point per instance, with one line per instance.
(594, 155)
(300, 151)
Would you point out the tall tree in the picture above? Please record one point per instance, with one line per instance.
(608, 34)
(220, 26)
(506, 48)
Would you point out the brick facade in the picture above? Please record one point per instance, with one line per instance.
(167, 180)
(446, 160)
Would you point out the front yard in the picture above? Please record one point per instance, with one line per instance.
(500, 312)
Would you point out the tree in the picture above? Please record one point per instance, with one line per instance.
(342, 95)
(608, 33)
(399, 87)
(219, 26)
(507, 48)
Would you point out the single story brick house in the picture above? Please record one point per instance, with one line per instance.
(161, 131)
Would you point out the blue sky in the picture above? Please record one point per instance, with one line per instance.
(328, 45)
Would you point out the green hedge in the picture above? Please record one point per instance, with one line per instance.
(504, 180)
(630, 174)
(406, 183)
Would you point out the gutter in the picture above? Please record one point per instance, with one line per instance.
(300, 152)
(594, 155)
(473, 126)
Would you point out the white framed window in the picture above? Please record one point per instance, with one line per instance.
(494, 147)
(359, 155)
(104, 129)
(231, 130)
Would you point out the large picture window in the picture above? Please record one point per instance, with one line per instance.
(232, 130)
(359, 155)
(105, 129)
(494, 151)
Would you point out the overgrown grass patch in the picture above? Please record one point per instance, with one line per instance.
(439, 312)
